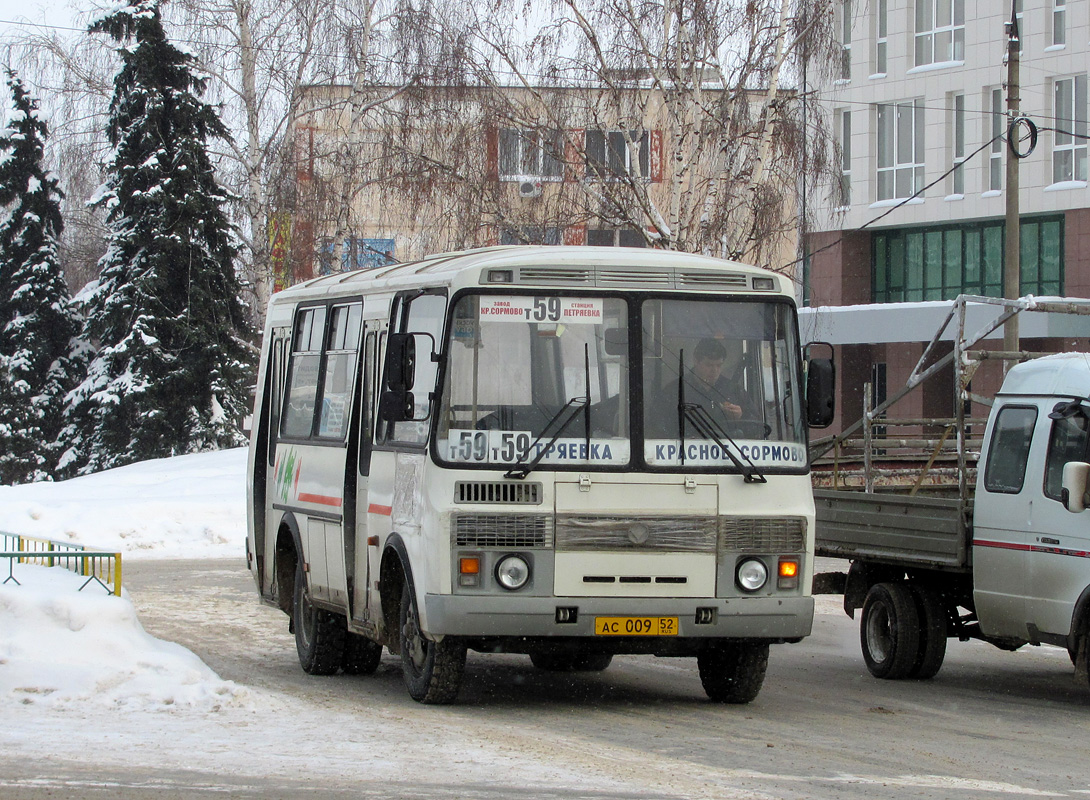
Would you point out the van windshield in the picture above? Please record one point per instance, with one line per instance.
(544, 379)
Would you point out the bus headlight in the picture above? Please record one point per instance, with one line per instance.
(751, 575)
(512, 572)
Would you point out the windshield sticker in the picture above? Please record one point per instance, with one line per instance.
(704, 453)
(511, 447)
(566, 310)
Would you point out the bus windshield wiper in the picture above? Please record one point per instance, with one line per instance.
(707, 427)
(572, 407)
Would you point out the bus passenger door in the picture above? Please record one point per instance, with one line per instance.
(359, 553)
(265, 544)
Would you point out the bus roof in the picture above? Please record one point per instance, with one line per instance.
(550, 266)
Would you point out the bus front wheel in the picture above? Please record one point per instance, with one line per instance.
(432, 670)
(733, 672)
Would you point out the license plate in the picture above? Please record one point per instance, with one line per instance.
(635, 626)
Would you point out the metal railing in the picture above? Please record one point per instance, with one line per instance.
(99, 568)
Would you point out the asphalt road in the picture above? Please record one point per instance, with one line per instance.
(990, 725)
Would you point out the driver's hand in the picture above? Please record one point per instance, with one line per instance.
(731, 410)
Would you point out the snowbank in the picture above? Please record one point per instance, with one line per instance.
(186, 507)
(61, 647)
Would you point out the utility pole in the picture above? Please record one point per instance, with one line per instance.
(1012, 246)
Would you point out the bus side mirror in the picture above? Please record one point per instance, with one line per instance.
(400, 362)
(820, 391)
(1074, 481)
(396, 405)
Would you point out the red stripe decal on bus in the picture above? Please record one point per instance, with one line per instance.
(385, 511)
(1033, 548)
(320, 499)
(1001, 545)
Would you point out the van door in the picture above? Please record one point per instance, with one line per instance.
(1059, 558)
(1001, 523)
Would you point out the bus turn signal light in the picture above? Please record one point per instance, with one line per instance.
(788, 577)
(469, 571)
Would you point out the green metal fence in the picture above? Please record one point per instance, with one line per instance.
(100, 568)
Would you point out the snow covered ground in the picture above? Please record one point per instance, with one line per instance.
(62, 647)
(186, 507)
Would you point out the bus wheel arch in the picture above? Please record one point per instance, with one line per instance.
(288, 553)
(394, 574)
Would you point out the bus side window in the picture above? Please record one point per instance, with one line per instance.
(276, 394)
(302, 385)
(423, 314)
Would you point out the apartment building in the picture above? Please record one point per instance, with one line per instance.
(439, 168)
(916, 217)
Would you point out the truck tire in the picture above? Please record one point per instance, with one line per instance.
(889, 631)
(319, 634)
(432, 670)
(733, 672)
(570, 662)
(361, 655)
(933, 630)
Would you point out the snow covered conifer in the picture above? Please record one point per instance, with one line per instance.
(37, 323)
(171, 370)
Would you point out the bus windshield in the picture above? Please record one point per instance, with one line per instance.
(544, 379)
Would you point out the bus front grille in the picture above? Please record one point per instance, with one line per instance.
(762, 534)
(695, 534)
(502, 530)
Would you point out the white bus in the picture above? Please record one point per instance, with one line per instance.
(495, 450)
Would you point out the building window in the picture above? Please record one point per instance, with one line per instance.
(844, 139)
(526, 154)
(844, 28)
(531, 234)
(610, 154)
(940, 31)
(1059, 23)
(995, 154)
(880, 41)
(900, 150)
(940, 263)
(958, 145)
(356, 253)
(611, 237)
(1069, 148)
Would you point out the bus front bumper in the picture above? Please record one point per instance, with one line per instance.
(771, 618)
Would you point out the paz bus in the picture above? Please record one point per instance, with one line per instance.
(509, 450)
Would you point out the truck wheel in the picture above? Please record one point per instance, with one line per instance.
(433, 670)
(932, 648)
(733, 672)
(361, 655)
(889, 631)
(319, 634)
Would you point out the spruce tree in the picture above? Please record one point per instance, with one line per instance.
(37, 323)
(171, 371)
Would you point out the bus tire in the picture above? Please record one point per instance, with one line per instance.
(433, 670)
(319, 634)
(933, 633)
(889, 631)
(733, 672)
(361, 655)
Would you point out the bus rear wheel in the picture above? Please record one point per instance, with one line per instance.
(433, 670)
(319, 634)
(733, 672)
(361, 655)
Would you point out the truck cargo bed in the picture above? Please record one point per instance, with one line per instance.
(929, 532)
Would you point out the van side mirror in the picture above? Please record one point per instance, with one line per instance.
(1074, 480)
(820, 390)
(400, 361)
